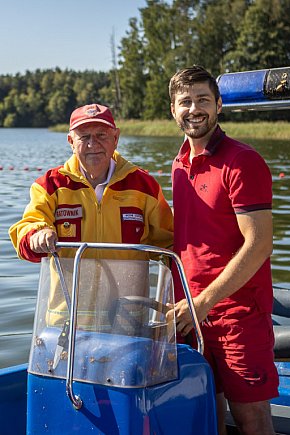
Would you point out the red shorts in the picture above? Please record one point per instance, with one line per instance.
(239, 348)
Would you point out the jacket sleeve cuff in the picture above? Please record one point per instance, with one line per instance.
(26, 253)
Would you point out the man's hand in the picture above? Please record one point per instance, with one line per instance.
(182, 314)
(43, 241)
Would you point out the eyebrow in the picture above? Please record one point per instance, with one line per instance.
(89, 131)
(180, 98)
(207, 94)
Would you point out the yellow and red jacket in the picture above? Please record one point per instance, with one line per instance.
(132, 210)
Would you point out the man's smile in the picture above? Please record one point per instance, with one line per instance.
(194, 120)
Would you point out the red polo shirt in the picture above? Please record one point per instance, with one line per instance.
(228, 178)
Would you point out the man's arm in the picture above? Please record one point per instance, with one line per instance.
(256, 228)
(34, 235)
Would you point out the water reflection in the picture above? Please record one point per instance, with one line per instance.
(277, 155)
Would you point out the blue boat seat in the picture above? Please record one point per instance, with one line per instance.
(281, 322)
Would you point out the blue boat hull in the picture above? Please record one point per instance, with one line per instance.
(160, 409)
(13, 402)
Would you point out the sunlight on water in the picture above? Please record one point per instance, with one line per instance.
(28, 153)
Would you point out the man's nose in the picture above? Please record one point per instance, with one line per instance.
(193, 107)
(93, 141)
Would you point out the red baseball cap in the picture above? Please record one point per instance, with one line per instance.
(91, 113)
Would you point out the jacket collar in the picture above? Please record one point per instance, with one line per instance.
(123, 167)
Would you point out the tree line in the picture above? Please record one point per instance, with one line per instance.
(221, 35)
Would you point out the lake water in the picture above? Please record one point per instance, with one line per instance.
(27, 153)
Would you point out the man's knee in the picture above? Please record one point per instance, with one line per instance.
(253, 418)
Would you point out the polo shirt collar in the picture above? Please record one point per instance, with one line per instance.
(215, 141)
(209, 150)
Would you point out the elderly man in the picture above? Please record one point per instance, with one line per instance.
(96, 196)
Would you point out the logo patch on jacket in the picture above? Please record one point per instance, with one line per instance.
(68, 213)
(132, 217)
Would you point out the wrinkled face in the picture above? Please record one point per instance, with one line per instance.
(94, 145)
(195, 110)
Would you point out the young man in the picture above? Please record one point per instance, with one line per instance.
(223, 233)
(96, 196)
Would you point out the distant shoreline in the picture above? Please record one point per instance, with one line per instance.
(168, 128)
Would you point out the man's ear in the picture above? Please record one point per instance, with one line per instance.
(70, 141)
(219, 105)
(172, 110)
(117, 135)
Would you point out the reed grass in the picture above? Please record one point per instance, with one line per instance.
(247, 130)
(258, 130)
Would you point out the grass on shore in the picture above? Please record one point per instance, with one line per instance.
(246, 130)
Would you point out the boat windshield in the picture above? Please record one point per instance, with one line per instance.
(122, 335)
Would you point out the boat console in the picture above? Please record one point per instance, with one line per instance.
(104, 356)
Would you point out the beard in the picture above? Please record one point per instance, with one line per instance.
(197, 131)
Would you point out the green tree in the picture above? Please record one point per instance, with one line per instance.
(2, 113)
(5, 86)
(42, 98)
(46, 82)
(184, 28)
(10, 120)
(264, 39)
(59, 107)
(132, 75)
(218, 25)
(157, 29)
(87, 85)
(36, 112)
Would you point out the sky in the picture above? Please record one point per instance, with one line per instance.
(73, 34)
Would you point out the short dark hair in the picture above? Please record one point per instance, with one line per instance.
(187, 77)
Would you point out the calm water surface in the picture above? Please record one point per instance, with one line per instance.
(27, 153)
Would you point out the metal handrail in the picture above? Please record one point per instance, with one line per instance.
(81, 247)
(240, 106)
(76, 400)
(62, 280)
